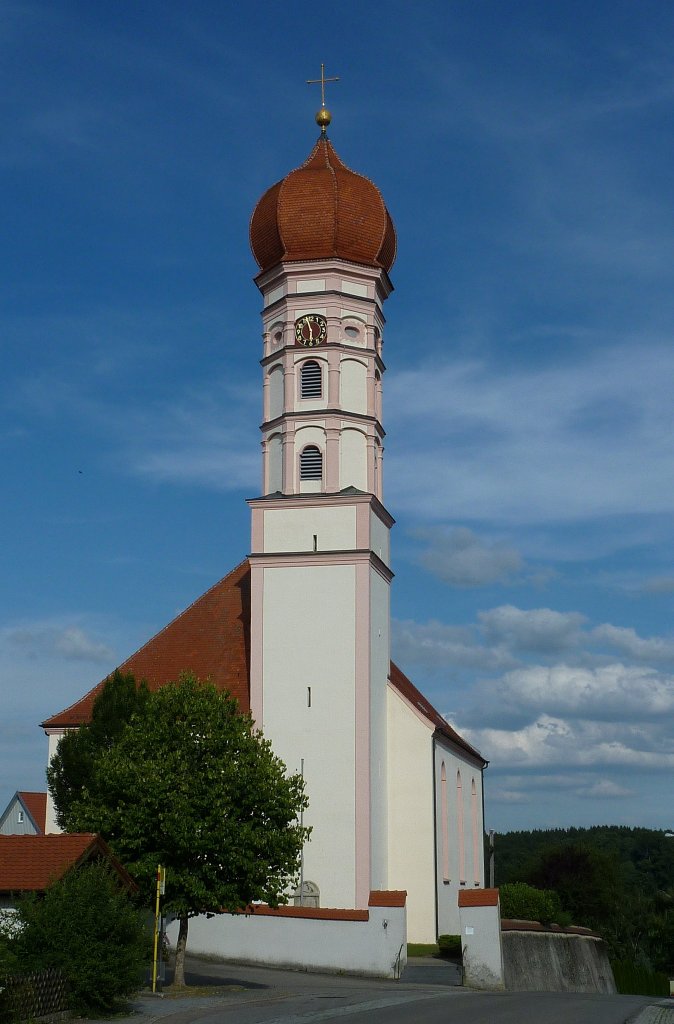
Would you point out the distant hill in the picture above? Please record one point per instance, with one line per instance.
(645, 855)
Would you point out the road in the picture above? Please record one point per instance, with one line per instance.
(237, 994)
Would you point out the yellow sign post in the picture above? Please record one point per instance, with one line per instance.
(161, 889)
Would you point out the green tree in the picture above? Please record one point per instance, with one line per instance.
(87, 926)
(188, 784)
(71, 776)
(588, 882)
(525, 903)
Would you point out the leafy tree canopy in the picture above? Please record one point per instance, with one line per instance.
(188, 784)
(88, 927)
(71, 776)
(610, 877)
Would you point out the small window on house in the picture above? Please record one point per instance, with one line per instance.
(311, 384)
(311, 463)
(351, 332)
(19, 817)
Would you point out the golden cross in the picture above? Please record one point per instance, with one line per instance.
(322, 80)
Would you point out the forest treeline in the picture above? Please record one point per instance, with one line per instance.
(617, 880)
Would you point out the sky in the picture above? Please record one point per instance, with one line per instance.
(525, 151)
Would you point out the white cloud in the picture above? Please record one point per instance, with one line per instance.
(538, 629)
(70, 643)
(582, 439)
(435, 645)
(605, 789)
(462, 559)
(553, 742)
(607, 693)
(627, 642)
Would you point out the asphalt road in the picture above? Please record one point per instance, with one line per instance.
(239, 994)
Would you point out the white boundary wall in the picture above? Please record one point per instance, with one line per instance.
(369, 947)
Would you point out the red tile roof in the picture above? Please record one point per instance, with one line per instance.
(36, 805)
(321, 210)
(388, 898)
(408, 690)
(478, 897)
(211, 638)
(32, 863)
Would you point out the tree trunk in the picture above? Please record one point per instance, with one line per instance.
(179, 974)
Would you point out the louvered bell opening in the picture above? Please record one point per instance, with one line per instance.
(311, 463)
(310, 386)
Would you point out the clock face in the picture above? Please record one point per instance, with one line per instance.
(311, 329)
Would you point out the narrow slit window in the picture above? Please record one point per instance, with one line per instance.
(311, 463)
(311, 379)
(315, 542)
(308, 696)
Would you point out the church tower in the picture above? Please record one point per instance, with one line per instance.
(320, 575)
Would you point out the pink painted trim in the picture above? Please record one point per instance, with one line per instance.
(363, 537)
(473, 815)
(445, 823)
(257, 530)
(296, 558)
(460, 831)
(257, 645)
(363, 767)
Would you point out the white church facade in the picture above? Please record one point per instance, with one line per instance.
(299, 632)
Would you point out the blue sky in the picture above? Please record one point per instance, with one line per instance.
(525, 151)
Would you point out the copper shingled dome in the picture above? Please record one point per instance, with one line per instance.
(321, 210)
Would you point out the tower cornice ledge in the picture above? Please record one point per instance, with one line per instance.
(348, 497)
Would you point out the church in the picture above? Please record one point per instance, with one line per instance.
(299, 631)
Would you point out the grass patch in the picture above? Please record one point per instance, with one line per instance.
(422, 949)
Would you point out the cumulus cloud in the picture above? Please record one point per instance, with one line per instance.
(435, 645)
(539, 629)
(582, 439)
(70, 643)
(607, 693)
(627, 642)
(553, 742)
(605, 789)
(462, 559)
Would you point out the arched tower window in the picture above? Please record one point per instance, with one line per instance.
(311, 463)
(311, 379)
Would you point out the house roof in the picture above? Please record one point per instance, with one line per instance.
(408, 690)
(32, 863)
(36, 805)
(211, 638)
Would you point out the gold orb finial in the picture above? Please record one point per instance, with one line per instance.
(323, 118)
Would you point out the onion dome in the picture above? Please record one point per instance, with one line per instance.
(322, 210)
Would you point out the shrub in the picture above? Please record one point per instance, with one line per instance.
(449, 945)
(525, 903)
(86, 926)
(639, 981)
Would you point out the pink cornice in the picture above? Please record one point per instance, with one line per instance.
(289, 559)
(324, 500)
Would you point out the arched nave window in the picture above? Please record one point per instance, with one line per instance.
(459, 829)
(445, 823)
(311, 379)
(311, 463)
(476, 848)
